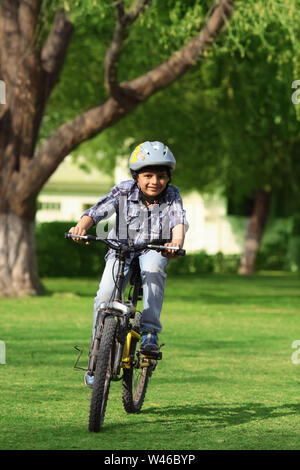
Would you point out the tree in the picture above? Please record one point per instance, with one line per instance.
(260, 128)
(30, 69)
(240, 129)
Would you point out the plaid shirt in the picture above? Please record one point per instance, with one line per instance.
(134, 221)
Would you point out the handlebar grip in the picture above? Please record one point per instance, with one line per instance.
(180, 252)
(86, 238)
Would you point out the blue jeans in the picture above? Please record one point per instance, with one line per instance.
(152, 265)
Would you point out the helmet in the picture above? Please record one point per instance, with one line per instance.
(150, 154)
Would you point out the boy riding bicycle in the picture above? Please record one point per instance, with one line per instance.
(146, 208)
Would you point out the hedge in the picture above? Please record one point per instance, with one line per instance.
(57, 256)
(60, 257)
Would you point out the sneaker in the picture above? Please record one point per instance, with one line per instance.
(89, 379)
(149, 343)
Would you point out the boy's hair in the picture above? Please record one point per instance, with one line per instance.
(157, 168)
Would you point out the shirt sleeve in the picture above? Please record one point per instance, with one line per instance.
(177, 213)
(105, 207)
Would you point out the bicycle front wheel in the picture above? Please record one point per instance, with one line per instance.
(135, 382)
(103, 374)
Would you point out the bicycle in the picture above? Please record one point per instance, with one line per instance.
(117, 332)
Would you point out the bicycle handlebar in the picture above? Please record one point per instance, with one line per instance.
(116, 245)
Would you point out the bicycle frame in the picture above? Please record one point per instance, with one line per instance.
(123, 311)
(125, 357)
(114, 343)
(120, 309)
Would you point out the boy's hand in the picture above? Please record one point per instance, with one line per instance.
(80, 229)
(77, 230)
(171, 253)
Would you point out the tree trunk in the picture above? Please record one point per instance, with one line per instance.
(18, 272)
(30, 75)
(254, 232)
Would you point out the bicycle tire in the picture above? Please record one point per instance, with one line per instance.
(102, 375)
(135, 383)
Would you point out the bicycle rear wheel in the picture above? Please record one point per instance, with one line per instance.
(135, 382)
(103, 374)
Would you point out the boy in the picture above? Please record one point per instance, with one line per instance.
(146, 208)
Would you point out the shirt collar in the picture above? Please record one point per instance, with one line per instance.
(134, 194)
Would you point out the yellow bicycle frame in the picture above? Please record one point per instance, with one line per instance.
(126, 351)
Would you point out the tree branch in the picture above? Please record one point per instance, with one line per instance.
(123, 20)
(55, 47)
(161, 76)
(9, 47)
(10, 35)
(28, 12)
(95, 120)
(132, 15)
(53, 54)
(67, 137)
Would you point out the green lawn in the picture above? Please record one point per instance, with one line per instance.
(226, 381)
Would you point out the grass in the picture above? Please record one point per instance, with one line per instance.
(226, 380)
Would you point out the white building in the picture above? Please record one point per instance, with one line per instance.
(70, 191)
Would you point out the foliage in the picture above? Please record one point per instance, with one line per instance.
(231, 117)
(230, 121)
(201, 262)
(163, 27)
(81, 80)
(274, 255)
(259, 120)
(58, 256)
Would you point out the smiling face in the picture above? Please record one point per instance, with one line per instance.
(152, 182)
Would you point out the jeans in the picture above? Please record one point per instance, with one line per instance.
(152, 265)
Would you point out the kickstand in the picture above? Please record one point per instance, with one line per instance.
(78, 357)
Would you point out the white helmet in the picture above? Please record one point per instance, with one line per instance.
(150, 154)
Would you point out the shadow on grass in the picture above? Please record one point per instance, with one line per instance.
(221, 416)
(192, 418)
(213, 416)
(68, 294)
(238, 298)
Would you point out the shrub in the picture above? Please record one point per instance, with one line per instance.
(57, 256)
(60, 257)
(225, 264)
(274, 255)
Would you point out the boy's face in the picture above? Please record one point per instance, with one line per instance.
(152, 183)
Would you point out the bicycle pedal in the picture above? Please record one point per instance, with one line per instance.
(153, 355)
(145, 361)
